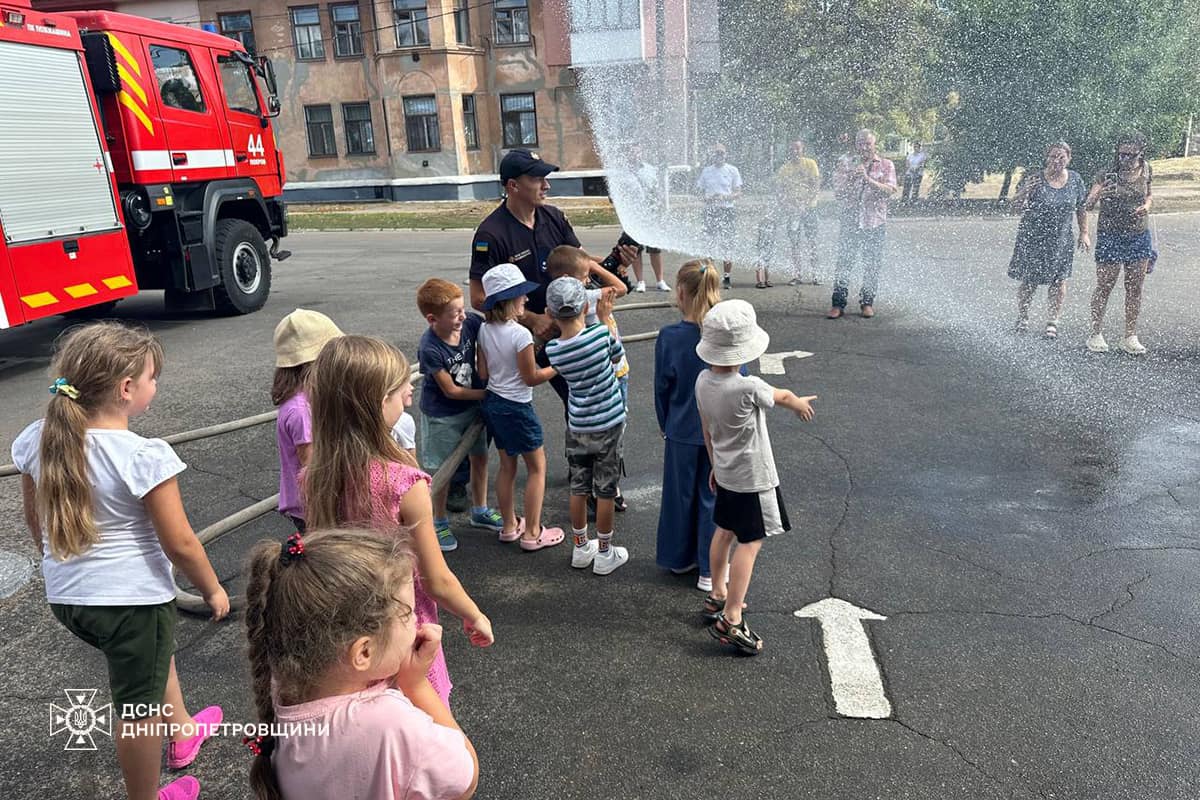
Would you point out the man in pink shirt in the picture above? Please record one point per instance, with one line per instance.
(864, 186)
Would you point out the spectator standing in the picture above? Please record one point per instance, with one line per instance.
(646, 177)
(864, 186)
(914, 171)
(721, 185)
(797, 184)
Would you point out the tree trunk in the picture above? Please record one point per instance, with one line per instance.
(1007, 183)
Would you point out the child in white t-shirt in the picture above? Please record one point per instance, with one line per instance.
(506, 363)
(404, 432)
(749, 506)
(103, 506)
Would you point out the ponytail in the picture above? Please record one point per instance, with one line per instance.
(90, 362)
(701, 286)
(264, 561)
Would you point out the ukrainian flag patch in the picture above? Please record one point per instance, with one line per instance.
(481, 247)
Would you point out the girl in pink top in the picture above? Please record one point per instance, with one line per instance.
(358, 475)
(339, 665)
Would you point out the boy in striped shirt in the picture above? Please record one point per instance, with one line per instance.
(584, 356)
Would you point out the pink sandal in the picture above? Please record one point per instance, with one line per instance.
(548, 538)
(513, 535)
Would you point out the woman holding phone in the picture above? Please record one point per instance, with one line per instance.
(1123, 241)
(1045, 249)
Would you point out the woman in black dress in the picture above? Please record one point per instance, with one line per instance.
(1045, 248)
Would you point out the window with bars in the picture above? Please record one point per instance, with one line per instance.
(421, 124)
(238, 25)
(412, 22)
(518, 118)
(512, 21)
(318, 121)
(347, 30)
(360, 136)
(470, 126)
(462, 21)
(605, 15)
(306, 33)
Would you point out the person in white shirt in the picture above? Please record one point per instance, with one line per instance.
(721, 185)
(914, 171)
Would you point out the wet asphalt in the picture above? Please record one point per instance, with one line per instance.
(1026, 516)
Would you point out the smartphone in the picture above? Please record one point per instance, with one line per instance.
(1110, 177)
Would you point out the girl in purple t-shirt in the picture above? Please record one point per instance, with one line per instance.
(298, 338)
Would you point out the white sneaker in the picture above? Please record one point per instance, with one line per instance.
(704, 584)
(1096, 343)
(605, 563)
(582, 556)
(663, 286)
(1132, 346)
(640, 287)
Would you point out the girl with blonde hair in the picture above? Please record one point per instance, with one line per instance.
(339, 657)
(104, 509)
(685, 518)
(358, 475)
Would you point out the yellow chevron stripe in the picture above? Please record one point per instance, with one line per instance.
(128, 101)
(81, 290)
(117, 282)
(124, 53)
(40, 299)
(131, 83)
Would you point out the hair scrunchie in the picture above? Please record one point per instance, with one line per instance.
(62, 386)
(293, 549)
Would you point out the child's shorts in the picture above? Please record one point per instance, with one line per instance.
(137, 642)
(440, 435)
(751, 515)
(594, 461)
(515, 426)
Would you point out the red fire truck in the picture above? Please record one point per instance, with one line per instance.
(134, 154)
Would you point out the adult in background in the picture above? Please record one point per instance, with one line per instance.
(914, 171)
(523, 230)
(650, 194)
(1045, 247)
(1123, 241)
(721, 185)
(797, 183)
(864, 185)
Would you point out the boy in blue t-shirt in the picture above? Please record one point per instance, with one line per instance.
(584, 356)
(450, 397)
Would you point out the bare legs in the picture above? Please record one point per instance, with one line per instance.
(140, 753)
(1056, 294)
(1106, 279)
(535, 491)
(739, 567)
(656, 264)
(174, 711)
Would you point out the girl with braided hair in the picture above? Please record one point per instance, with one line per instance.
(339, 666)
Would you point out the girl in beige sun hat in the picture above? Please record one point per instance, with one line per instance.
(299, 337)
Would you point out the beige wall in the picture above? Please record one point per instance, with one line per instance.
(385, 74)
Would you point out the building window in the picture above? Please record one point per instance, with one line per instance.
(347, 30)
(512, 21)
(238, 26)
(318, 120)
(177, 83)
(306, 33)
(518, 117)
(412, 22)
(605, 15)
(360, 138)
(462, 21)
(421, 124)
(470, 127)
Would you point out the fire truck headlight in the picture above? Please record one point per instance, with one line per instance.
(137, 210)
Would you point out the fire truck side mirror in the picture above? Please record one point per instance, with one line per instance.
(267, 70)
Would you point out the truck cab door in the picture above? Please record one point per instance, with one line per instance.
(197, 146)
(253, 143)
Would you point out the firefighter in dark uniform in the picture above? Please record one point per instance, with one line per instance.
(522, 231)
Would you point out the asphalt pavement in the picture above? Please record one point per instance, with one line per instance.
(1025, 515)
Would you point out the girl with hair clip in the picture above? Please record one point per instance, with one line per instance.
(339, 658)
(103, 506)
(358, 475)
(685, 520)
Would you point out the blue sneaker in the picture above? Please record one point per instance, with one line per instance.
(446, 538)
(489, 519)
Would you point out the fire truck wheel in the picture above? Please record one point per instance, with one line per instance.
(245, 266)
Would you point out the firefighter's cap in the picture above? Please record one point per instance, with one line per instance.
(300, 336)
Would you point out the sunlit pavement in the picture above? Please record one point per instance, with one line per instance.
(1024, 514)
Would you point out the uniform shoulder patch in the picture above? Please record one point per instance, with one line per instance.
(481, 247)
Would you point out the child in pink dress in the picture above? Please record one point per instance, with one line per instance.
(357, 475)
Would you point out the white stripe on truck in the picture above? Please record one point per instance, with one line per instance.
(196, 159)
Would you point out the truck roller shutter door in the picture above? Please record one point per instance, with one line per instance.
(54, 176)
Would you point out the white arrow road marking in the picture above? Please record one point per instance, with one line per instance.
(772, 363)
(853, 674)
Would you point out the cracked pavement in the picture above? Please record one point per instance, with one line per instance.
(1027, 517)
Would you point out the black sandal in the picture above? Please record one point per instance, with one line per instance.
(619, 503)
(740, 637)
(713, 607)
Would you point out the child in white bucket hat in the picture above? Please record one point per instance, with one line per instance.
(506, 363)
(749, 506)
